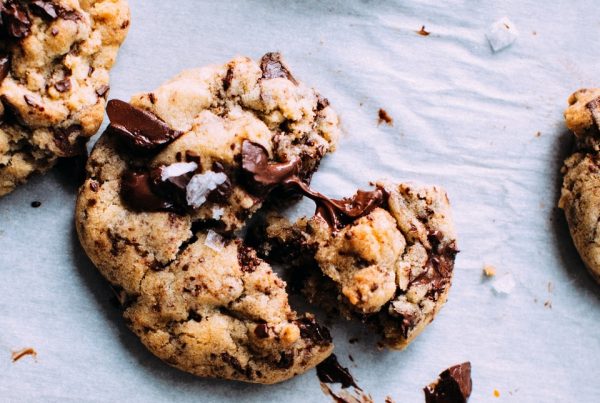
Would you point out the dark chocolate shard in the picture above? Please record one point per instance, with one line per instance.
(272, 66)
(15, 20)
(453, 386)
(137, 192)
(4, 66)
(311, 330)
(255, 160)
(70, 141)
(141, 129)
(44, 8)
(330, 371)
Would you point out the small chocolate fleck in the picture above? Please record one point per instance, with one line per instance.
(423, 32)
(272, 66)
(330, 371)
(453, 386)
(63, 85)
(140, 128)
(36, 204)
(384, 117)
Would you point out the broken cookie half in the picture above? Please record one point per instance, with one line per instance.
(178, 173)
(384, 257)
(579, 195)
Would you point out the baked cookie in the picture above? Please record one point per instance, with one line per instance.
(55, 56)
(177, 173)
(580, 199)
(385, 257)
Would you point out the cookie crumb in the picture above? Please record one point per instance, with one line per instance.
(384, 117)
(548, 304)
(351, 358)
(496, 393)
(17, 355)
(489, 270)
(423, 32)
(388, 399)
(36, 204)
(538, 134)
(550, 287)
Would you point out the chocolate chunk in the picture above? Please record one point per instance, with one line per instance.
(255, 160)
(4, 66)
(63, 85)
(44, 8)
(453, 386)
(222, 193)
(338, 213)
(384, 117)
(70, 141)
(15, 20)
(311, 330)
(140, 128)
(330, 371)
(273, 67)
(137, 192)
(262, 331)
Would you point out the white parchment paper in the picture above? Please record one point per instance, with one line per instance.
(464, 118)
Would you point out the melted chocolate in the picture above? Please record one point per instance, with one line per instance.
(139, 128)
(137, 192)
(453, 386)
(15, 20)
(272, 67)
(330, 371)
(311, 330)
(255, 160)
(4, 66)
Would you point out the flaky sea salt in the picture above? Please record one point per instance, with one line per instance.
(502, 34)
(504, 284)
(177, 169)
(201, 185)
(214, 241)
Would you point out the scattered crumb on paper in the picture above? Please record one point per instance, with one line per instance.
(423, 32)
(496, 393)
(384, 117)
(489, 270)
(17, 355)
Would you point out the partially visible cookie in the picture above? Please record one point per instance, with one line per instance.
(580, 199)
(177, 173)
(55, 56)
(385, 257)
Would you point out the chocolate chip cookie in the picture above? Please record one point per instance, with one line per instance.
(179, 171)
(579, 196)
(55, 56)
(384, 257)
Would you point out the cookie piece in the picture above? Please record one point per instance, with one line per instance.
(579, 197)
(55, 56)
(385, 257)
(178, 171)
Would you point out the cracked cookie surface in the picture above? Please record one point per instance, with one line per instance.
(388, 264)
(55, 57)
(167, 189)
(580, 199)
